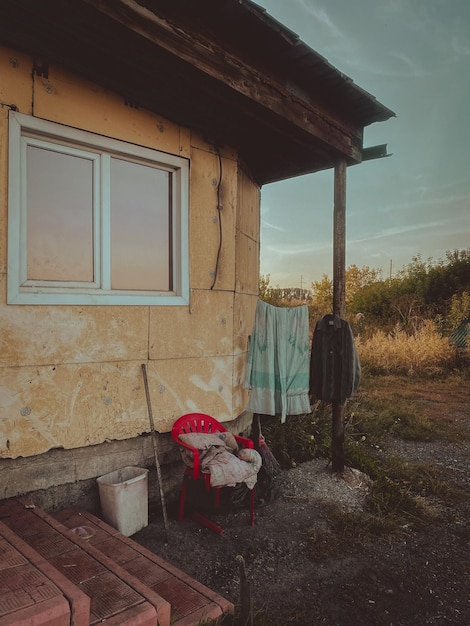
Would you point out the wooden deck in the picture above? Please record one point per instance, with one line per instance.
(72, 568)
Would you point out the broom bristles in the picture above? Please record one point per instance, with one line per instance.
(269, 460)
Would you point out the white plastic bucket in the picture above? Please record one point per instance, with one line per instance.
(124, 499)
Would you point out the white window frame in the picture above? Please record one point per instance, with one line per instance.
(24, 130)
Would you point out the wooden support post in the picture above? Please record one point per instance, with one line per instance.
(339, 240)
(339, 303)
(337, 437)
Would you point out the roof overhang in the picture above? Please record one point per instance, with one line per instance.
(222, 67)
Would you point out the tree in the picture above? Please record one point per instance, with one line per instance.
(274, 295)
(459, 309)
(322, 296)
(356, 279)
(421, 290)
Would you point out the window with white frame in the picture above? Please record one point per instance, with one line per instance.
(94, 220)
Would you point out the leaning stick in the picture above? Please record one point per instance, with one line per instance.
(154, 441)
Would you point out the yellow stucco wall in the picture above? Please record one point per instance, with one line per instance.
(70, 376)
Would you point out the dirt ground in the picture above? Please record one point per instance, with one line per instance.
(413, 577)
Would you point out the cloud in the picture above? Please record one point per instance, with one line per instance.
(460, 48)
(298, 248)
(320, 14)
(269, 226)
(394, 232)
(412, 68)
(428, 201)
(423, 184)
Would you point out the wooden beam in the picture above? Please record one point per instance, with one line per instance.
(236, 74)
(339, 305)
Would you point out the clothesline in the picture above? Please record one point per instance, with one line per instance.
(282, 370)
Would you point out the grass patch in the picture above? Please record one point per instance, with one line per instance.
(394, 500)
(390, 509)
(413, 409)
(302, 438)
(394, 505)
(385, 406)
(375, 417)
(425, 479)
(349, 531)
(391, 406)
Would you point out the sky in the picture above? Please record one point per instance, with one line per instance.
(413, 56)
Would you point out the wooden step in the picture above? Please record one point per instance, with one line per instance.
(28, 594)
(191, 602)
(112, 596)
(94, 572)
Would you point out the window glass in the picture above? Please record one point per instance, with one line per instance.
(140, 227)
(59, 216)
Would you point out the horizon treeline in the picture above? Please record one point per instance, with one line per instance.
(437, 291)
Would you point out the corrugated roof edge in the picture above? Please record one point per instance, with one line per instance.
(295, 40)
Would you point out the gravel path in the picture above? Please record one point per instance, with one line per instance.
(412, 578)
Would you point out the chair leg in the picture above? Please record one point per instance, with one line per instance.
(252, 507)
(182, 498)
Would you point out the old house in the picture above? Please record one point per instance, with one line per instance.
(135, 136)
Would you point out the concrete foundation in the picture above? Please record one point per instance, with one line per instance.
(61, 478)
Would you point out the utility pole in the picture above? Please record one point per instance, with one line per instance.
(339, 303)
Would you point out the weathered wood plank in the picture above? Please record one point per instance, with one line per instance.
(235, 74)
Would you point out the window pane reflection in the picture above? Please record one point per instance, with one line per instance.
(140, 227)
(59, 216)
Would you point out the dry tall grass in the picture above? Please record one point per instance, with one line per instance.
(425, 352)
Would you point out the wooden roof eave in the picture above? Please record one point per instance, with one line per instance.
(278, 129)
(233, 74)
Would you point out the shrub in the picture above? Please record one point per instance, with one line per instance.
(425, 352)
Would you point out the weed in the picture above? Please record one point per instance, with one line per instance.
(392, 499)
(425, 479)
(375, 417)
(301, 438)
(359, 456)
(425, 352)
(390, 508)
(260, 618)
(349, 531)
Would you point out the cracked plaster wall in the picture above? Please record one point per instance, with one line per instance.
(71, 375)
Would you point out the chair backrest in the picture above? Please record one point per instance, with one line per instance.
(195, 423)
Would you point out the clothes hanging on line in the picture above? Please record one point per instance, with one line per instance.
(335, 369)
(277, 370)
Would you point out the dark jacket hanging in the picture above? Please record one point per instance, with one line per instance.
(335, 370)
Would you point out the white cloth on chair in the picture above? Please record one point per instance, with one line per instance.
(219, 455)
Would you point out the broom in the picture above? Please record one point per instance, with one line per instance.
(269, 460)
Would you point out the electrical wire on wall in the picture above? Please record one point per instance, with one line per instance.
(219, 209)
(12, 107)
(40, 69)
(33, 87)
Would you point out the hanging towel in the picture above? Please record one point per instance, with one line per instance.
(277, 371)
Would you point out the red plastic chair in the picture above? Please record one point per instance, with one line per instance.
(202, 423)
